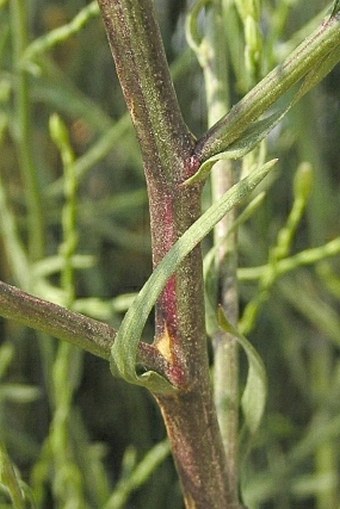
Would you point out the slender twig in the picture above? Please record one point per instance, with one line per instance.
(306, 257)
(86, 333)
(63, 33)
(35, 215)
(93, 336)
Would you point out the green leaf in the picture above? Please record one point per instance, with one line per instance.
(255, 393)
(62, 33)
(247, 142)
(210, 270)
(256, 131)
(124, 349)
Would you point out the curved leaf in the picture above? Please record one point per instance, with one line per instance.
(255, 393)
(124, 349)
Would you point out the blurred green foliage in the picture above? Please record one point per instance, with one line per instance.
(74, 436)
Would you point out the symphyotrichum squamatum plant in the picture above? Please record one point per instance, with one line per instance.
(224, 254)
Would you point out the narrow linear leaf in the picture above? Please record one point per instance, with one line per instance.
(124, 350)
(250, 138)
(209, 269)
(193, 35)
(260, 129)
(305, 59)
(255, 393)
(318, 74)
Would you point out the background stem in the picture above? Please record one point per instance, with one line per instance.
(24, 131)
(223, 176)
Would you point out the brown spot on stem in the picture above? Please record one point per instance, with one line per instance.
(163, 345)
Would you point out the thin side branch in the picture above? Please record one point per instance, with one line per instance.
(89, 334)
(94, 336)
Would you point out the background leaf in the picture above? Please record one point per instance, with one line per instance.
(255, 392)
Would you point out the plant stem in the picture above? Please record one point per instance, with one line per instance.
(145, 79)
(226, 392)
(11, 240)
(93, 336)
(24, 131)
(68, 481)
(166, 145)
(306, 257)
(79, 330)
